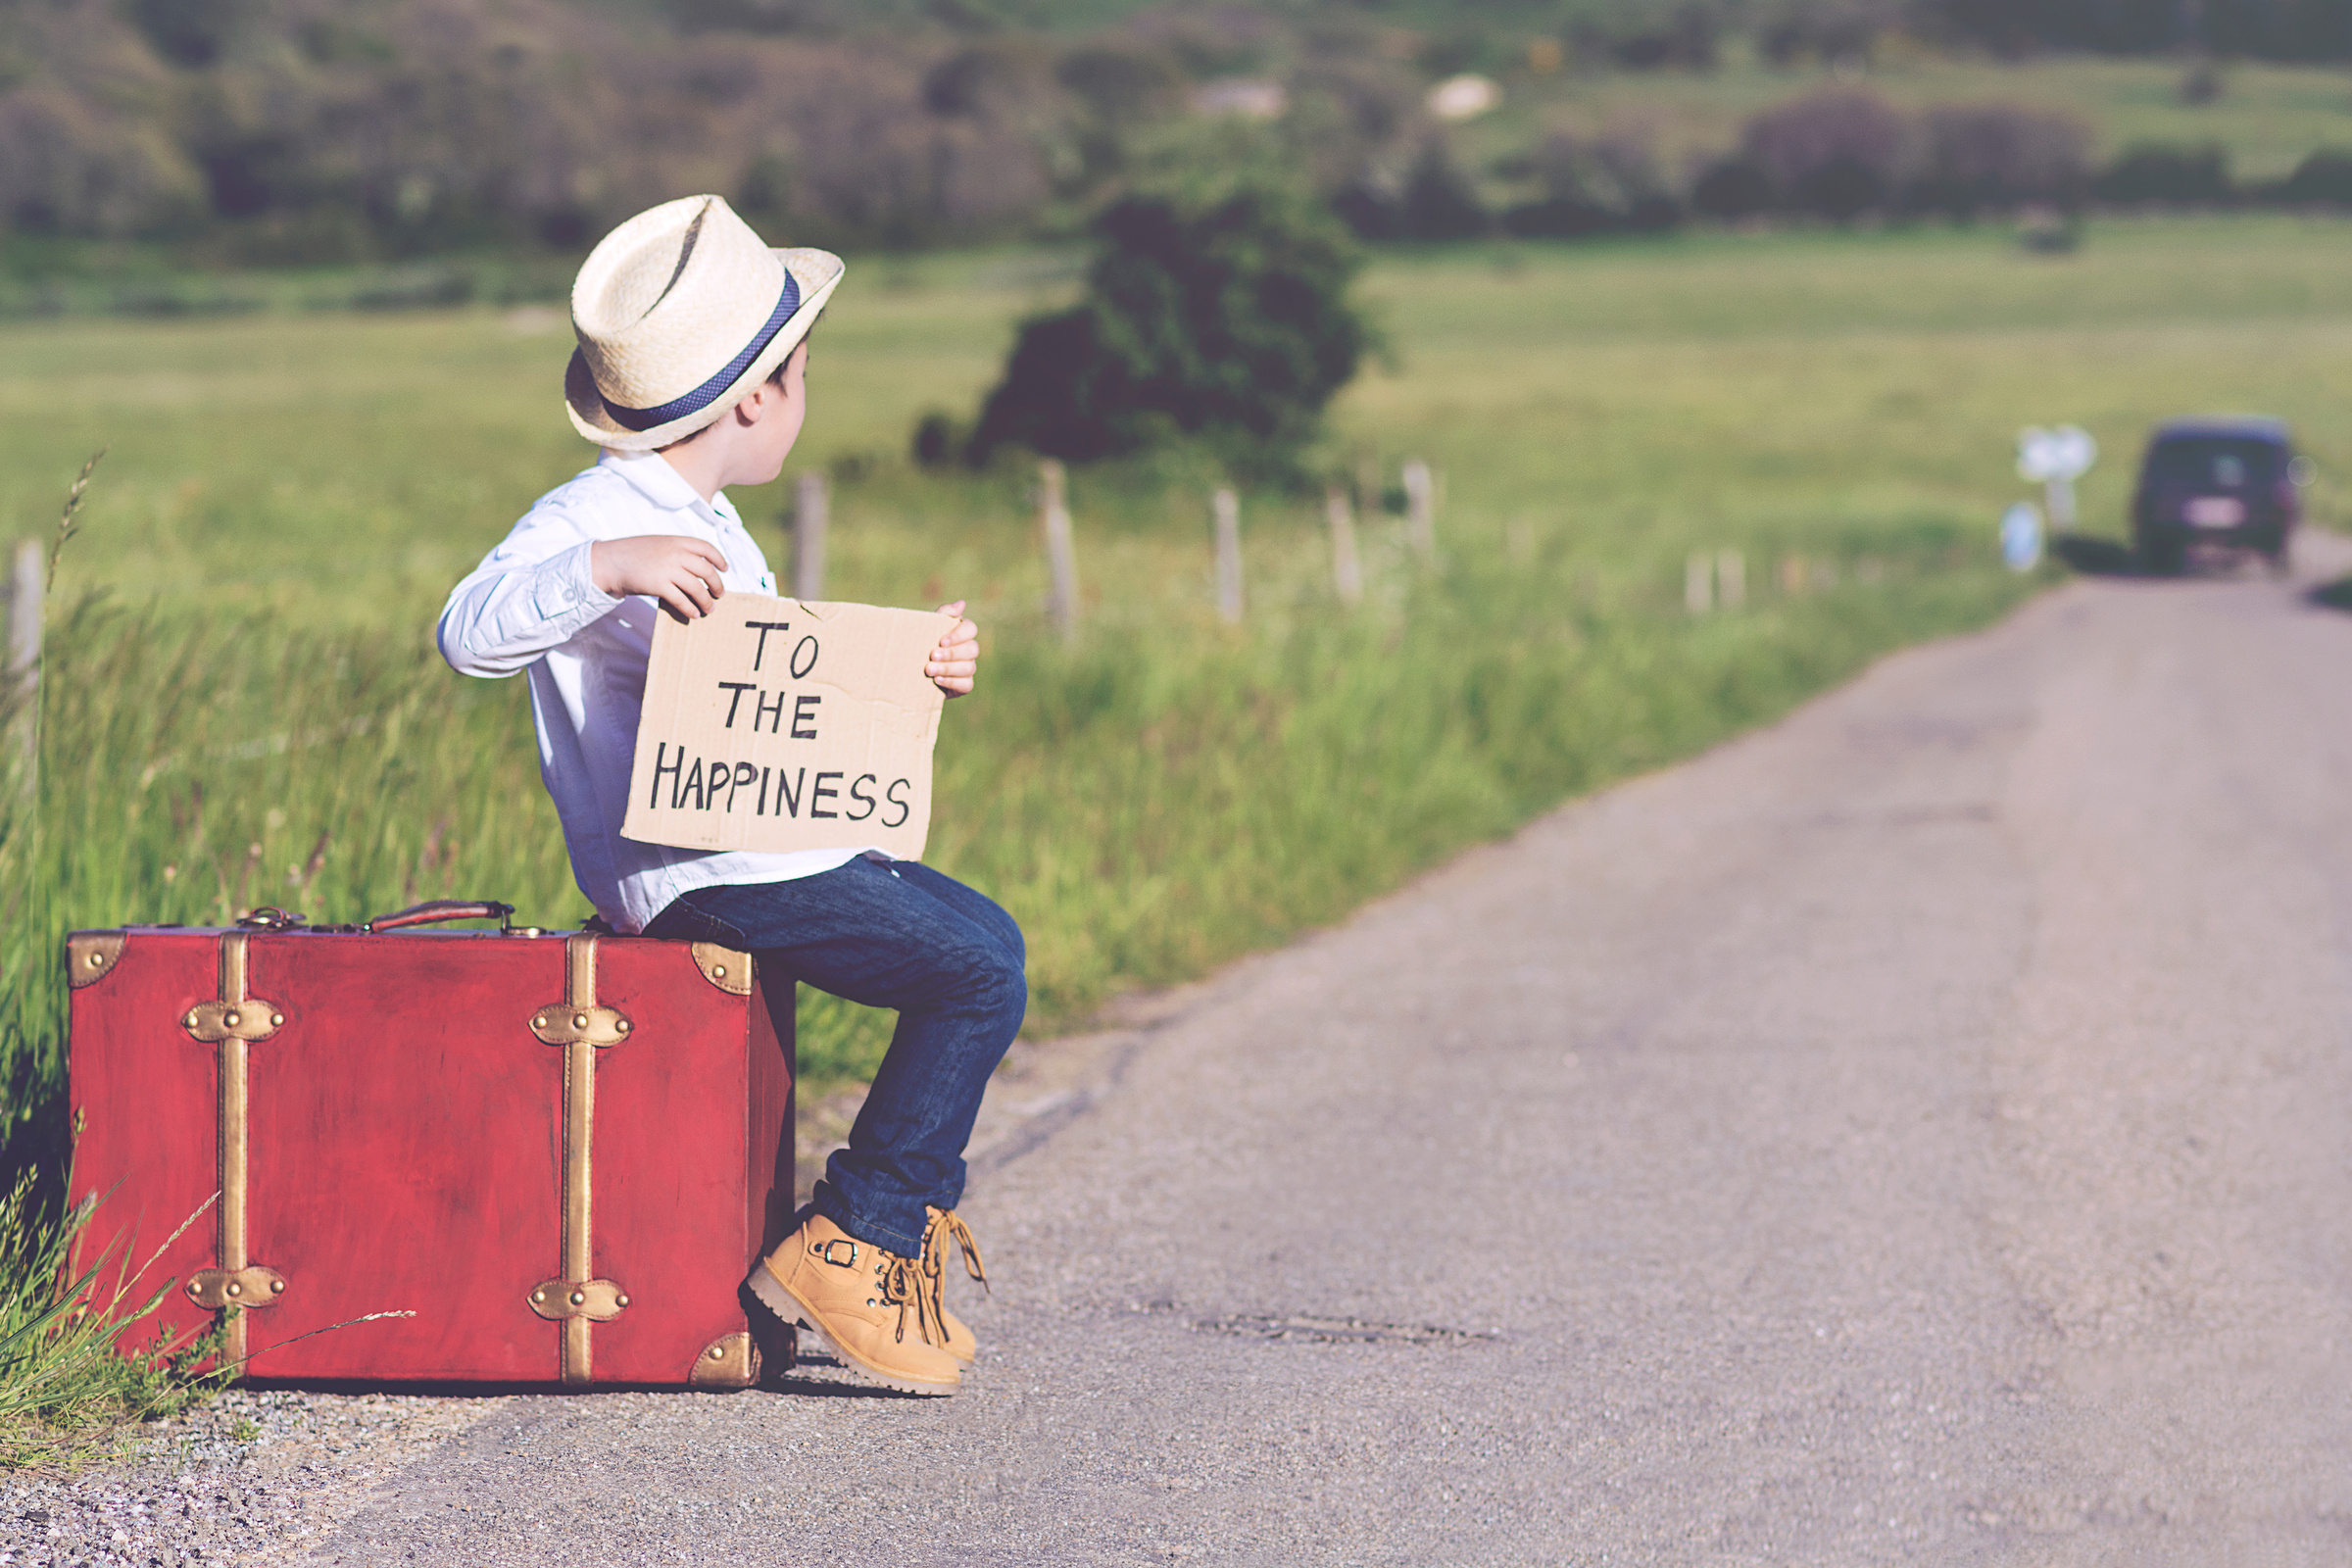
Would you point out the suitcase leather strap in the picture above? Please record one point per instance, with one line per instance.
(231, 1023)
(580, 1026)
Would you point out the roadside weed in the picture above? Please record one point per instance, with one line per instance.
(73, 1370)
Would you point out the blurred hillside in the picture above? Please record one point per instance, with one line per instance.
(321, 131)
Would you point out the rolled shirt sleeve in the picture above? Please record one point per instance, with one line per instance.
(513, 607)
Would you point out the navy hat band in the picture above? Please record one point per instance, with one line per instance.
(703, 396)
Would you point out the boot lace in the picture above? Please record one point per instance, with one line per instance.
(932, 1267)
(901, 1284)
(945, 1227)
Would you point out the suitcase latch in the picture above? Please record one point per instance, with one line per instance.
(216, 1288)
(596, 1300)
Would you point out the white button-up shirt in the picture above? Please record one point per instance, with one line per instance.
(532, 608)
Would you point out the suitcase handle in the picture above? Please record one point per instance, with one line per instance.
(445, 909)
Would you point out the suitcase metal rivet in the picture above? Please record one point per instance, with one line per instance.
(189, 1022)
(715, 1351)
(622, 1026)
(580, 1021)
(277, 1020)
(589, 1300)
(231, 1019)
(221, 1287)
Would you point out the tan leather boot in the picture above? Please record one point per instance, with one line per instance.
(945, 1227)
(868, 1305)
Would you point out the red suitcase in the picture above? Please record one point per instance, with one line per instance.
(559, 1152)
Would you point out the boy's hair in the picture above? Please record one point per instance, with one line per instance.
(776, 378)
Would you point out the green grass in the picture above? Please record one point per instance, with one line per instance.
(251, 711)
(65, 1392)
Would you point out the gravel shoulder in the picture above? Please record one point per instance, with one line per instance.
(252, 1477)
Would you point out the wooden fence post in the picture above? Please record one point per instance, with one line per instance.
(1698, 582)
(1347, 572)
(1227, 508)
(809, 507)
(1061, 556)
(1421, 509)
(1731, 579)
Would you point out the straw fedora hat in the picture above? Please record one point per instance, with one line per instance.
(680, 312)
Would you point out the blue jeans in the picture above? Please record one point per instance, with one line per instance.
(898, 936)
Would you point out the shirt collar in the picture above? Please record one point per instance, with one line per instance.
(652, 477)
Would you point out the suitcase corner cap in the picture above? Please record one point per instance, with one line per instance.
(730, 1362)
(725, 967)
(91, 955)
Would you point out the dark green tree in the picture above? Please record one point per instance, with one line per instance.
(1222, 317)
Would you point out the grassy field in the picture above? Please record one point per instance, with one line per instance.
(254, 715)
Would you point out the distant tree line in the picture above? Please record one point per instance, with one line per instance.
(320, 130)
(2261, 29)
(311, 130)
(1838, 155)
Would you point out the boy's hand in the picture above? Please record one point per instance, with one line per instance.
(957, 659)
(681, 571)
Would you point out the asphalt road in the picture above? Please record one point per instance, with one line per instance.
(1915, 1133)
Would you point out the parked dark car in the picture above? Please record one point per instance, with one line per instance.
(2229, 482)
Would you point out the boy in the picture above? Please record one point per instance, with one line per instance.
(689, 373)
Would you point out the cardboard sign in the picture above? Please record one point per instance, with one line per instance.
(777, 726)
